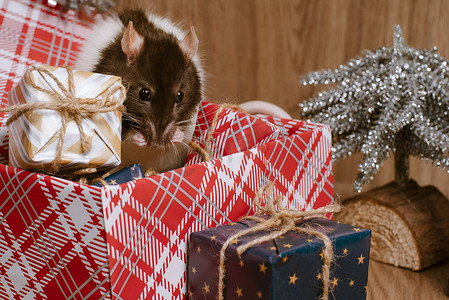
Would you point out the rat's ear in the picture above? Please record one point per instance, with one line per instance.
(189, 45)
(132, 42)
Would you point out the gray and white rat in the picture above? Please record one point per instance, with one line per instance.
(161, 69)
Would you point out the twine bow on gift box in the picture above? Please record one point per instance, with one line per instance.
(281, 221)
(69, 106)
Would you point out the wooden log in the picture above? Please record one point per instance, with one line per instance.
(410, 225)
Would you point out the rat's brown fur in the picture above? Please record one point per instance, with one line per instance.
(163, 69)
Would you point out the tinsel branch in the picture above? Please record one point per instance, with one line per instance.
(391, 99)
(348, 144)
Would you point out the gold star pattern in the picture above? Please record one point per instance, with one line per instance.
(198, 249)
(239, 292)
(322, 254)
(345, 251)
(309, 240)
(263, 268)
(272, 248)
(284, 259)
(241, 263)
(361, 258)
(318, 277)
(206, 288)
(293, 279)
(194, 270)
(259, 294)
(351, 283)
(335, 282)
(113, 182)
(213, 237)
(288, 245)
(233, 224)
(235, 241)
(190, 294)
(356, 229)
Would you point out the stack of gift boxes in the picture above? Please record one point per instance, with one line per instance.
(127, 236)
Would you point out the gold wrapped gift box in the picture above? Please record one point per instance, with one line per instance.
(75, 121)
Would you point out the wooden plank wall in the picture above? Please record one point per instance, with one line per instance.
(257, 49)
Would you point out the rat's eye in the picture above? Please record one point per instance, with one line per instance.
(145, 94)
(179, 97)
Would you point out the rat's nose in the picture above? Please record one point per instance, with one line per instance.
(163, 134)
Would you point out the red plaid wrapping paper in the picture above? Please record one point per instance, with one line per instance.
(65, 240)
(52, 243)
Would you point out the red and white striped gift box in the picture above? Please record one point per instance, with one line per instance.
(65, 240)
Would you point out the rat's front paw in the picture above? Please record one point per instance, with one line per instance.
(139, 140)
(178, 136)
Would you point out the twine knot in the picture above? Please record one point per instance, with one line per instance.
(206, 152)
(281, 220)
(70, 107)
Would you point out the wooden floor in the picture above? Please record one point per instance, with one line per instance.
(389, 282)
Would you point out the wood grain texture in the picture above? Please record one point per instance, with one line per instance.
(257, 49)
(388, 282)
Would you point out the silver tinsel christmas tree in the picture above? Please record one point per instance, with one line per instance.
(392, 100)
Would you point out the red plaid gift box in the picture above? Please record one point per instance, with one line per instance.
(66, 240)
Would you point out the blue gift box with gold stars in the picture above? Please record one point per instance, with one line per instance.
(132, 172)
(289, 267)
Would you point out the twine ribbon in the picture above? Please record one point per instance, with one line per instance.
(206, 152)
(69, 106)
(281, 221)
